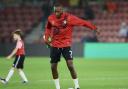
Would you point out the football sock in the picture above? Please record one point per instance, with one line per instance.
(9, 75)
(57, 83)
(21, 73)
(76, 83)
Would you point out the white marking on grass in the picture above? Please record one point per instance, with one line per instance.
(81, 79)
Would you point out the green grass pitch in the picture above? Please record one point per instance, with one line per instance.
(93, 74)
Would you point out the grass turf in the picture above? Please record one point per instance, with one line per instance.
(93, 74)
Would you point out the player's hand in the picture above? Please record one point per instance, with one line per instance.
(8, 57)
(48, 41)
(48, 45)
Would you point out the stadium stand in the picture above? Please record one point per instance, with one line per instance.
(107, 23)
(18, 17)
(29, 15)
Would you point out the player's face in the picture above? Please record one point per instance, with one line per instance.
(15, 36)
(58, 11)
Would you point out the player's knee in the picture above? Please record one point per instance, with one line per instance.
(12, 68)
(53, 67)
(71, 68)
(19, 70)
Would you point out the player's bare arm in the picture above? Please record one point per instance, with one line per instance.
(12, 54)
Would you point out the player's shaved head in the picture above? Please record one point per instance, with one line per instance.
(58, 5)
(58, 9)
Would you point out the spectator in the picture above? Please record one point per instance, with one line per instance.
(74, 3)
(90, 37)
(88, 12)
(46, 9)
(124, 31)
(111, 6)
(1, 6)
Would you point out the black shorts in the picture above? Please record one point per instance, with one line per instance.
(55, 54)
(19, 61)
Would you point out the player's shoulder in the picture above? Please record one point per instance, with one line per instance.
(69, 16)
(66, 14)
(20, 41)
(51, 16)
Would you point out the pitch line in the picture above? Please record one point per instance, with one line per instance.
(80, 79)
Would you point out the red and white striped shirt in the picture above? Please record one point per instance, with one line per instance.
(60, 30)
(20, 47)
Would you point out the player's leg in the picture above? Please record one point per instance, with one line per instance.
(73, 73)
(67, 54)
(54, 70)
(71, 68)
(20, 66)
(55, 58)
(10, 74)
(55, 75)
(22, 74)
(11, 71)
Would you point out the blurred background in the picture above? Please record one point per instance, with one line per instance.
(110, 16)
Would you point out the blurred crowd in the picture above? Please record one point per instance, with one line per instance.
(110, 16)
